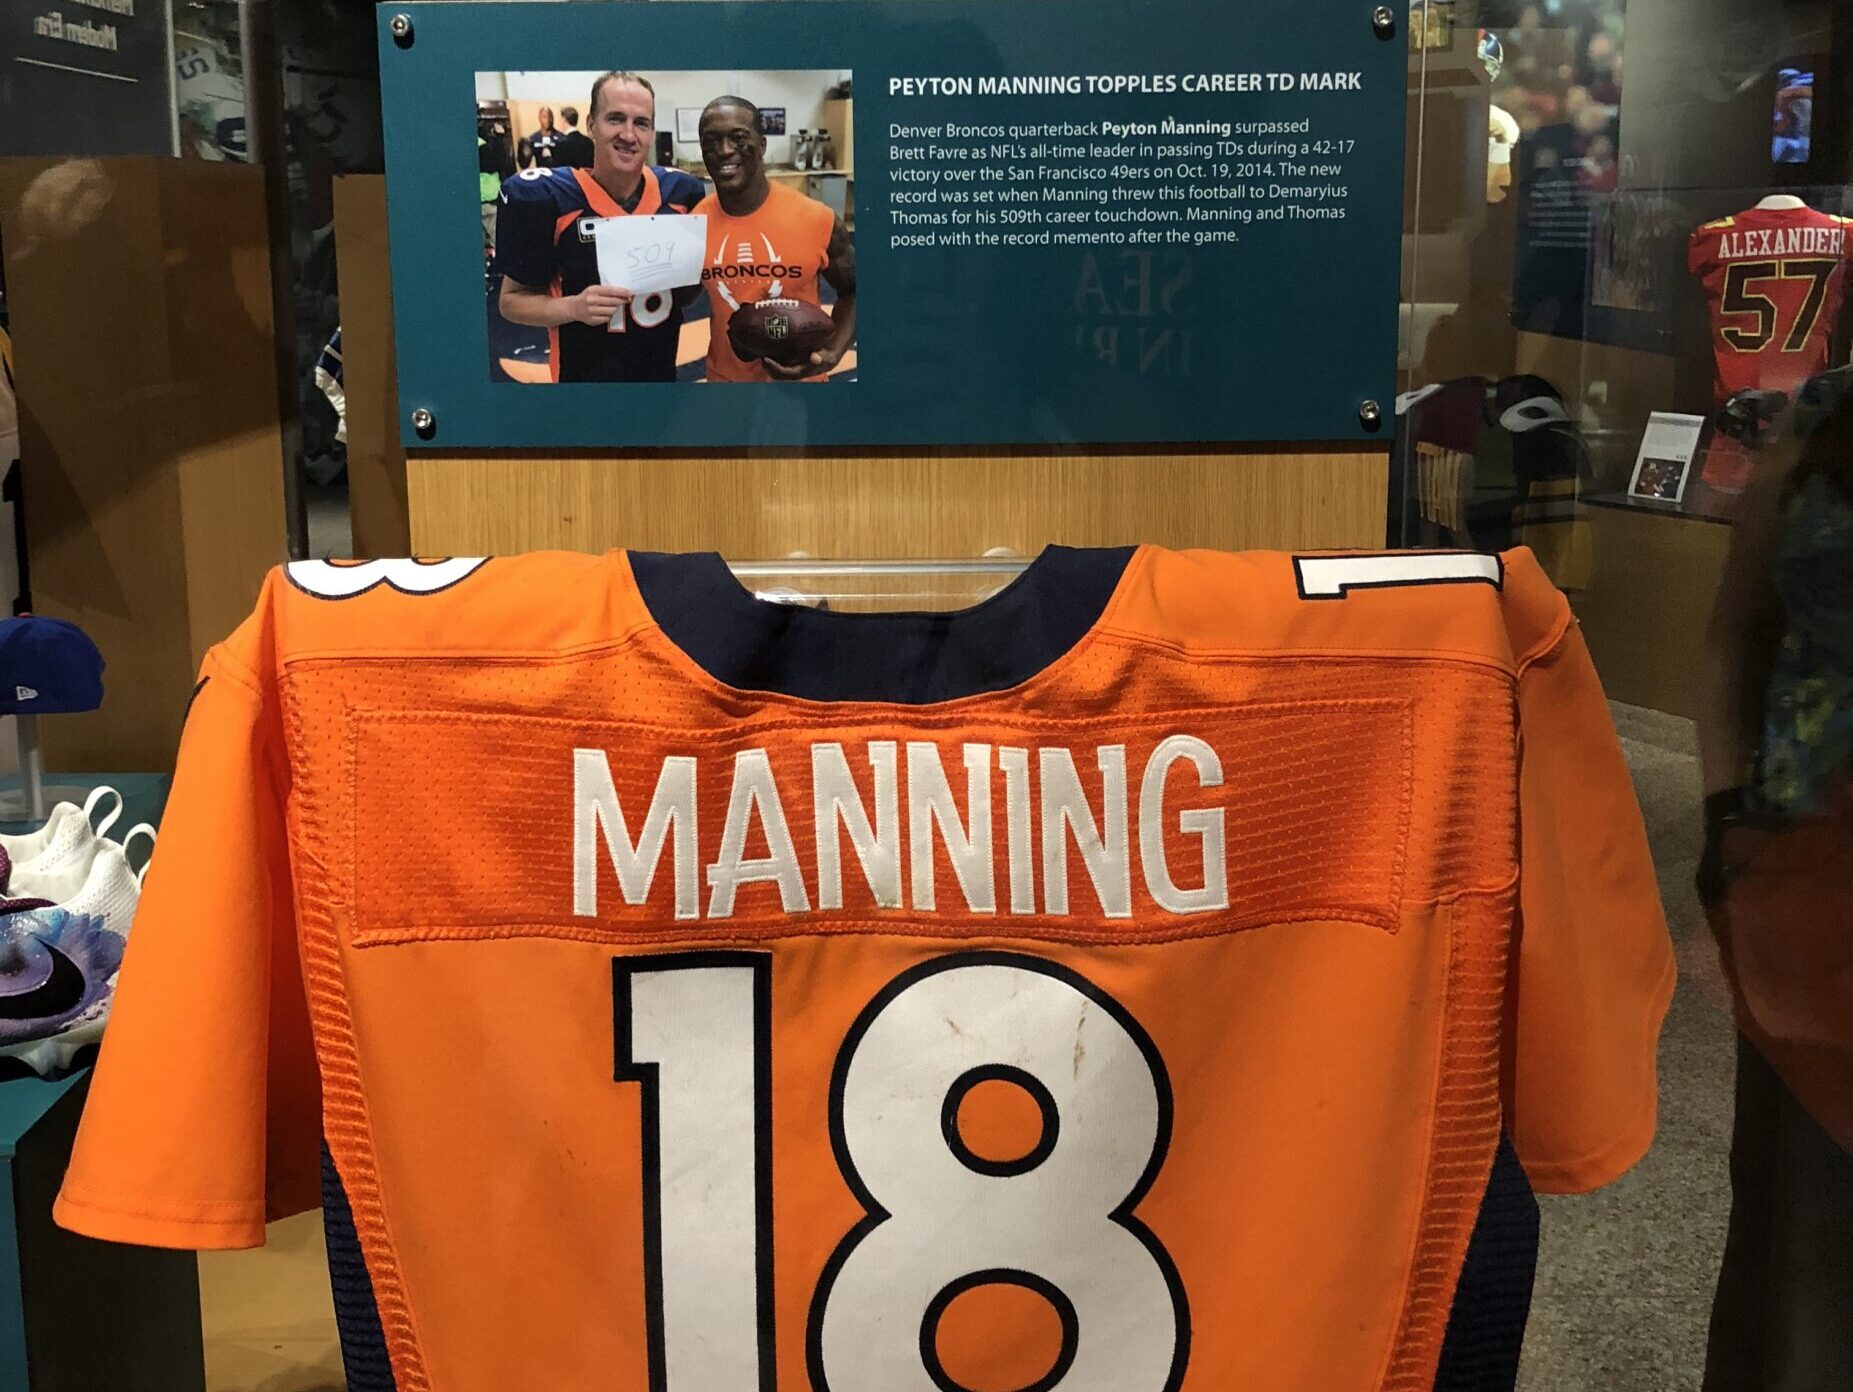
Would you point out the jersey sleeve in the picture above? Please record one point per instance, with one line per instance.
(681, 191)
(525, 222)
(1701, 252)
(1594, 962)
(203, 1118)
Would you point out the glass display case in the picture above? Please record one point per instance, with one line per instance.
(1557, 421)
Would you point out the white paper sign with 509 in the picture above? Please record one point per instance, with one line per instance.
(648, 254)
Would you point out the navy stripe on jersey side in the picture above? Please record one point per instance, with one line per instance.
(1486, 1326)
(911, 659)
(357, 1314)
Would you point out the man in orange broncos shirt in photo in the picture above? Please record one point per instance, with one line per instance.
(766, 239)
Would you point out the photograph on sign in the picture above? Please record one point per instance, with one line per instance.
(716, 252)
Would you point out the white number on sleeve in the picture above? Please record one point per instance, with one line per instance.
(1333, 577)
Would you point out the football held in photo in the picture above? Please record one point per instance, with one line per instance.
(665, 227)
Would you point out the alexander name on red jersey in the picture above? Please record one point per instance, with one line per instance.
(1750, 242)
(1775, 279)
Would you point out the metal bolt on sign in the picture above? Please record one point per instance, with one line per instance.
(401, 26)
(424, 423)
(1370, 416)
(1384, 22)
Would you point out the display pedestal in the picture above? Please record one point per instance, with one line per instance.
(76, 1313)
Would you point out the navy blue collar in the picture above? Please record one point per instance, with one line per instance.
(912, 659)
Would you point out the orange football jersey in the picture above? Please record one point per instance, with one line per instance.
(706, 995)
(779, 251)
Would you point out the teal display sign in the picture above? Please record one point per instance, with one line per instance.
(894, 222)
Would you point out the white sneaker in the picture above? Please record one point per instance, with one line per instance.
(42, 862)
(58, 961)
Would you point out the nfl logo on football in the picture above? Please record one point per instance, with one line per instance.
(777, 327)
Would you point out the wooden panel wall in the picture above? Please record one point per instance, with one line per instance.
(151, 458)
(1647, 608)
(375, 458)
(897, 506)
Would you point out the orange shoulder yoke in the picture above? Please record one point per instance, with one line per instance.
(1500, 611)
(534, 606)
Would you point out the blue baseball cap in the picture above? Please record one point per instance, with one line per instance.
(48, 667)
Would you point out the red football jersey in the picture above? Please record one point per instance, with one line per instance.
(1776, 279)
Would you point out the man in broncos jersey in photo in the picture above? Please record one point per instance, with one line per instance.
(766, 241)
(548, 258)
